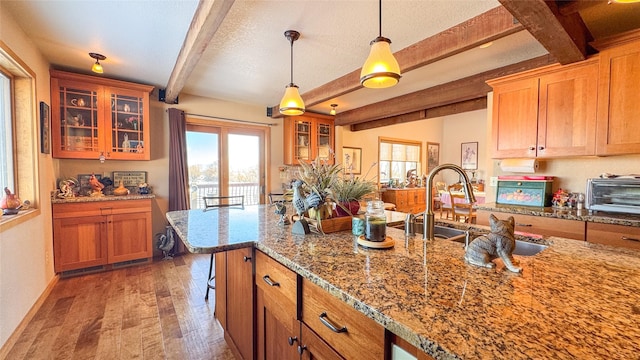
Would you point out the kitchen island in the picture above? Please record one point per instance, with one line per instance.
(573, 300)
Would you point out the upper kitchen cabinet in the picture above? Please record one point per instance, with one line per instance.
(547, 112)
(308, 137)
(619, 95)
(94, 117)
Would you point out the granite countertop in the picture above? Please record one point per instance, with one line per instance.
(569, 214)
(572, 300)
(79, 199)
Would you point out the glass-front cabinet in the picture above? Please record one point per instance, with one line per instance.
(96, 117)
(308, 137)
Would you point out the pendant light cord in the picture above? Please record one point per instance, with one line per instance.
(291, 40)
(380, 19)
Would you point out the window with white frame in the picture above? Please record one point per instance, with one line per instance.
(6, 133)
(397, 158)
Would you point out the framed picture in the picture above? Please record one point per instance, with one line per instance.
(83, 183)
(352, 160)
(45, 121)
(469, 155)
(129, 178)
(433, 155)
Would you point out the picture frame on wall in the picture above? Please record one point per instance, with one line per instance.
(433, 156)
(45, 131)
(469, 155)
(352, 160)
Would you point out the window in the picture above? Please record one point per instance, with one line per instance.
(398, 157)
(6, 133)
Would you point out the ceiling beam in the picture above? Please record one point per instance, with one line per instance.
(439, 111)
(565, 37)
(205, 23)
(489, 26)
(472, 87)
(573, 6)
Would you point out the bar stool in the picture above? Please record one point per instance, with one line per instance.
(211, 202)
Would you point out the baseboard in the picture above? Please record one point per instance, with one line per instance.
(11, 341)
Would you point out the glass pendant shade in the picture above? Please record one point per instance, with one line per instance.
(97, 68)
(381, 69)
(291, 103)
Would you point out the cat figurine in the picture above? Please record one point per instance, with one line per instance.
(499, 243)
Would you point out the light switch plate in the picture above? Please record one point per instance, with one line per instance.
(493, 181)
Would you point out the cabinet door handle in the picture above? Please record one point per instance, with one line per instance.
(325, 320)
(269, 282)
(630, 238)
(532, 148)
(540, 147)
(301, 349)
(292, 339)
(246, 258)
(527, 225)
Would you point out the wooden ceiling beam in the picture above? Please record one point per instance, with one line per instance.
(472, 87)
(205, 23)
(566, 37)
(489, 26)
(573, 6)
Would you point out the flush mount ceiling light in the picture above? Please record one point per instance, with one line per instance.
(333, 109)
(381, 69)
(291, 103)
(97, 68)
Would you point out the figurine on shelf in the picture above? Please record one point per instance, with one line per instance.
(121, 190)
(10, 203)
(143, 188)
(96, 186)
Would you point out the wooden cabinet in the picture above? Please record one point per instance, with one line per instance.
(312, 347)
(539, 225)
(99, 233)
(93, 117)
(350, 333)
(410, 200)
(614, 235)
(308, 137)
(619, 96)
(277, 329)
(548, 112)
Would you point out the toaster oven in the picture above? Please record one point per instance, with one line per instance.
(613, 195)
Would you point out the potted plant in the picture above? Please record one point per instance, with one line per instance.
(320, 177)
(348, 191)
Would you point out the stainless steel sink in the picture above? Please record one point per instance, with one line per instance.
(440, 232)
(523, 248)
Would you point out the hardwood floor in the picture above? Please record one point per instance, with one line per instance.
(151, 311)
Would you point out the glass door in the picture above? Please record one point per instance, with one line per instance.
(203, 161)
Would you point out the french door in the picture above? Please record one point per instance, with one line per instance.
(226, 159)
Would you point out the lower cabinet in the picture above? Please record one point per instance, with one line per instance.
(234, 299)
(539, 225)
(409, 200)
(312, 347)
(615, 235)
(99, 233)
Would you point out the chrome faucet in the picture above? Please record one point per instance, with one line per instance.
(429, 221)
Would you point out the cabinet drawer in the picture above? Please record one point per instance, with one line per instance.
(614, 235)
(275, 279)
(354, 336)
(73, 210)
(539, 225)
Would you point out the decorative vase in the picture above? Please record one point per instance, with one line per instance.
(121, 190)
(353, 206)
(9, 200)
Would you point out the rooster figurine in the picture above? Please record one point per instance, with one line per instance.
(301, 204)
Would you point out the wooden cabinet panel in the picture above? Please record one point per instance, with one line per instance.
(239, 286)
(354, 336)
(93, 116)
(614, 235)
(277, 329)
(539, 225)
(313, 348)
(410, 200)
(103, 232)
(221, 288)
(308, 137)
(548, 112)
(619, 100)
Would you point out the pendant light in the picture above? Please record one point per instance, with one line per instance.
(291, 103)
(333, 109)
(97, 67)
(381, 69)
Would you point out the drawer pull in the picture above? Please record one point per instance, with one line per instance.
(630, 238)
(527, 225)
(269, 282)
(292, 339)
(246, 258)
(324, 319)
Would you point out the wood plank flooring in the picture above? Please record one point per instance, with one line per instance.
(151, 311)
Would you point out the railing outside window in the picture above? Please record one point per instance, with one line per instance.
(251, 192)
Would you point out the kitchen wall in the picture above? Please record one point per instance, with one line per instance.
(26, 260)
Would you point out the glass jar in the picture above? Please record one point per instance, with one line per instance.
(375, 228)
